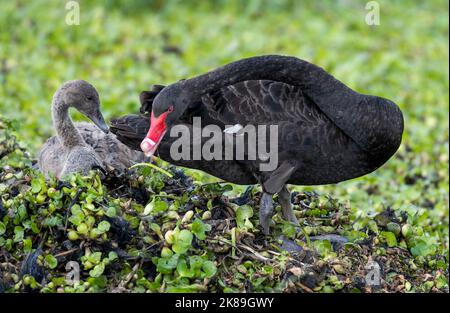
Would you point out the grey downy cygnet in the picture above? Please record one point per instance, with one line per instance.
(83, 146)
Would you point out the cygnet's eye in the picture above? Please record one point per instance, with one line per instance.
(89, 98)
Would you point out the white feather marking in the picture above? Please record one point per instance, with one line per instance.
(233, 129)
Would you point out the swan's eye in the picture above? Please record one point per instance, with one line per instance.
(89, 98)
(170, 109)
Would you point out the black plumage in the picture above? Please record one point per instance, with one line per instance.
(327, 132)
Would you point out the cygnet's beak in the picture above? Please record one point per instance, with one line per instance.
(98, 120)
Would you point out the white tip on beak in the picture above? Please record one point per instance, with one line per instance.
(149, 147)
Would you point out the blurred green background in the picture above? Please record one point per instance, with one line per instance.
(122, 47)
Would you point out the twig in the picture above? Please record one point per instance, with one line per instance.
(257, 255)
(130, 275)
(226, 242)
(304, 287)
(66, 252)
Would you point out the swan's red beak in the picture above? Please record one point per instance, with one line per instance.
(155, 134)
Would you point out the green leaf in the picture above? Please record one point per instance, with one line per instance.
(289, 230)
(182, 241)
(76, 220)
(199, 228)
(97, 270)
(323, 247)
(157, 229)
(111, 212)
(103, 227)
(209, 268)
(82, 229)
(99, 282)
(112, 255)
(243, 215)
(423, 248)
(155, 206)
(34, 227)
(18, 233)
(166, 265)
(95, 257)
(184, 270)
(35, 185)
(389, 237)
(52, 221)
(27, 245)
(50, 261)
(2, 228)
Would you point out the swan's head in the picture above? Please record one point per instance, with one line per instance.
(84, 97)
(168, 106)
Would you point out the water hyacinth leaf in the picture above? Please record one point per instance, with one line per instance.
(323, 247)
(103, 227)
(243, 215)
(2, 228)
(27, 245)
(35, 185)
(22, 212)
(18, 233)
(90, 220)
(166, 265)
(95, 257)
(355, 235)
(157, 229)
(52, 221)
(155, 206)
(423, 247)
(97, 271)
(99, 282)
(76, 219)
(394, 228)
(289, 230)
(209, 268)
(50, 261)
(184, 270)
(34, 225)
(111, 212)
(182, 241)
(199, 229)
(389, 237)
(83, 229)
(373, 226)
(112, 255)
(76, 210)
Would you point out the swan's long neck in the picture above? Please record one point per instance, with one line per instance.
(351, 111)
(285, 69)
(65, 129)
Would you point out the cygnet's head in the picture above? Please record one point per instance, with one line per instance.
(84, 97)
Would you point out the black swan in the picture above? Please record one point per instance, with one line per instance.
(83, 146)
(327, 133)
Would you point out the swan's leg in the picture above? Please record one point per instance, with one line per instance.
(265, 212)
(284, 197)
(274, 183)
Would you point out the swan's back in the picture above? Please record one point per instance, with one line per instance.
(110, 150)
(101, 149)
